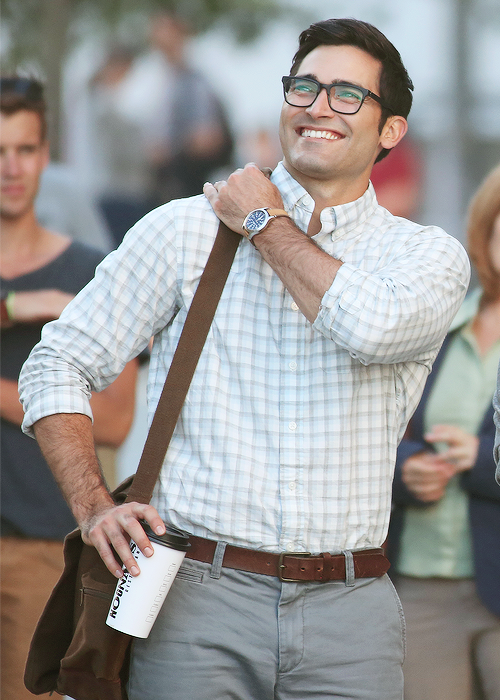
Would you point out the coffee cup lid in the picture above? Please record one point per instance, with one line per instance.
(173, 537)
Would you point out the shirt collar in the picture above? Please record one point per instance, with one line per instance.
(338, 219)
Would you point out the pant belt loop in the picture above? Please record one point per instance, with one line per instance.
(216, 568)
(350, 575)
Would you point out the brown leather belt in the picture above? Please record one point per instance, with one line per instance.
(292, 566)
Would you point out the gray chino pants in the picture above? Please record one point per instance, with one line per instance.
(251, 637)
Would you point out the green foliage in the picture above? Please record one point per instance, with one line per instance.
(246, 17)
(25, 21)
(21, 28)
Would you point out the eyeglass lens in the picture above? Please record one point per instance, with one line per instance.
(301, 92)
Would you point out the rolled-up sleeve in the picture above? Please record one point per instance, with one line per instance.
(401, 308)
(132, 295)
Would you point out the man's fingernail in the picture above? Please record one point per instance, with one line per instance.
(148, 551)
(159, 530)
(134, 570)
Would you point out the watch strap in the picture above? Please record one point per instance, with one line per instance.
(277, 212)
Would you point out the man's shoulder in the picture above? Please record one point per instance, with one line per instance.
(411, 228)
(190, 214)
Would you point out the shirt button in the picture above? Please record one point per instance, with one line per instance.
(293, 366)
(292, 486)
(294, 306)
(290, 547)
(292, 425)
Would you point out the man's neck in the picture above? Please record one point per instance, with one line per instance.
(26, 246)
(329, 194)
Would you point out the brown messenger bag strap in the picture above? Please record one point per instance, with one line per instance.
(184, 362)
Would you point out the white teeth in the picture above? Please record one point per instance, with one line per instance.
(310, 133)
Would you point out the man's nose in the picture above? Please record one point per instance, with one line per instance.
(10, 164)
(321, 106)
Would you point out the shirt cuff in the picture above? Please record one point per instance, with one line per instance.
(40, 409)
(343, 295)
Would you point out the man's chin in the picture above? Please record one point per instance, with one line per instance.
(11, 214)
(310, 167)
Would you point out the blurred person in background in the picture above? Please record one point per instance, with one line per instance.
(158, 128)
(331, 317)
(193, 138)
(119, 118)
(40, 272)
(62, 204)
(445, 529)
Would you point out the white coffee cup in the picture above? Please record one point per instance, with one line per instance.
(137, 599)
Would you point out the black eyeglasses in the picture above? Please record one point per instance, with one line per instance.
(343, 98)
(29, 88)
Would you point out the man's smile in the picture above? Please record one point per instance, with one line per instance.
(13, 190)
(320, 134)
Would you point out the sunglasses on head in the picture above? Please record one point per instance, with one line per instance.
(29, 88)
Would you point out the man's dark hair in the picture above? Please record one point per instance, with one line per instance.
(18, 93)
(395, 83)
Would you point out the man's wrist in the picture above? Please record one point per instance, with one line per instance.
(7, 309)
(257, 221)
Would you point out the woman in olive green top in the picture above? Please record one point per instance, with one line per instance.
(445, 528)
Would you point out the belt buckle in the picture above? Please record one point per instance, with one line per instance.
(282, 566)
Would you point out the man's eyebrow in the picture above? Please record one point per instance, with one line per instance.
(338, 81)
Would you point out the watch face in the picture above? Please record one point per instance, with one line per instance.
(256, 220)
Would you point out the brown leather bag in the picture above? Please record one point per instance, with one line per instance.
(73, 651)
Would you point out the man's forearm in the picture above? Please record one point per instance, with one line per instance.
(305, 270)
(67, 443)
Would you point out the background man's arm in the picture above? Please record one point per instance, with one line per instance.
(113, 407)
(10, 406)
(37, 306)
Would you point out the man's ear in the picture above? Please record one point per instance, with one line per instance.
(393, 131)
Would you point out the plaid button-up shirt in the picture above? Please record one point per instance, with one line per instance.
(288, 435)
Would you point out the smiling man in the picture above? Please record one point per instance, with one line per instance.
(282, 462)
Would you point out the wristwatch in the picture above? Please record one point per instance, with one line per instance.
(258, 219)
